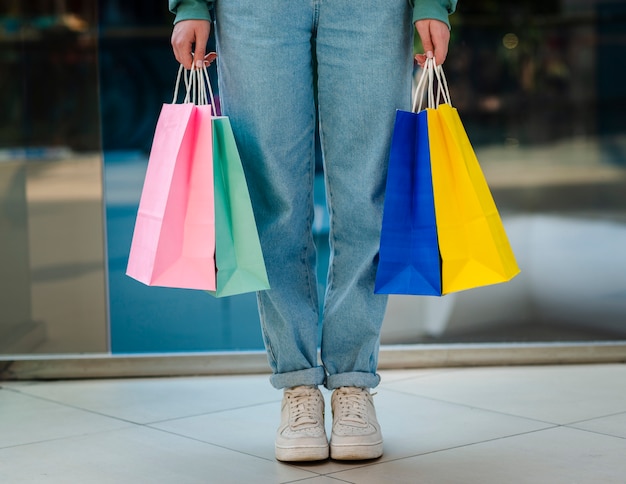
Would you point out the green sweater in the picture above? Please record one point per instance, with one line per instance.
(422, 9)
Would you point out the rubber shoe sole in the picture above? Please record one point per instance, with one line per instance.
(356, 452)
(302, 454)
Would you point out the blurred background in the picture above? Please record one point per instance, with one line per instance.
(539, 86)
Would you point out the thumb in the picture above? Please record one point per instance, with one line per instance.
(210, 57)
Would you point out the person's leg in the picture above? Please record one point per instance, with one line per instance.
(266, 89)
(364, 54)
(364, 67)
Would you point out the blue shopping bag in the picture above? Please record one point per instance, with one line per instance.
(409, 261)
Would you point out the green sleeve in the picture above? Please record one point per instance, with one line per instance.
(435, 9)
(422, 9)
(190, 9)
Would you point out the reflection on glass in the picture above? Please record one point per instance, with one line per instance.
(539, 86)
(134, 83)
(52, 285)
(540, 93)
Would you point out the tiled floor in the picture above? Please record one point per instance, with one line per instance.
(550, 424)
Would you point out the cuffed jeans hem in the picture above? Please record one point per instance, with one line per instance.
(353, 379)
(310, 376)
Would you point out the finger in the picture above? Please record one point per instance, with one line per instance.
(202, 37)
(440, 35)
(440, 56)
(181, 45)
(423, 29)
(435, 36)
(187, 33)
(182, 53)
(441, 47)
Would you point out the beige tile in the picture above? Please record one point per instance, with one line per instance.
(411, 425)
(138, 455)
(249, 430)
(558, 394)
(155, 399)
(391, 376)
(323, 480)
(17, 384)
(555, 456)
(25, 419)
(472, 425)
(612, 425)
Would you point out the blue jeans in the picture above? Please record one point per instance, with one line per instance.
(279, 61)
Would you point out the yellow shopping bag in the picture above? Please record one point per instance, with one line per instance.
(474, 248)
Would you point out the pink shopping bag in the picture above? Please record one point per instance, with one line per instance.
(173, 243)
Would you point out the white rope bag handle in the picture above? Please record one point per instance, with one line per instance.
(426, 87)
(197, 85)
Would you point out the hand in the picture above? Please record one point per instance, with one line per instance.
(187, 33)
(435, 37)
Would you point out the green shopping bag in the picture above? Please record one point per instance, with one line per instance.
(238, 256)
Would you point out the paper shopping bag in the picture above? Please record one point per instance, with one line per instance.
(474, 247)
(173, 242)
(238, 255)
(409, 251)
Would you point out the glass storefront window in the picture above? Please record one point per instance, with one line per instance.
(538, 85)
(52, 278)
(134, 83)
(539, 88)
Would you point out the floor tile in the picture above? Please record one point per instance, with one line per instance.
(449, 425)
(138, 455)
(613, 425)
(323, 480)
(539, 392)
(390, 376)
(555, 456)
(411, 425)
(25, 419)
(249, 430)
(155, 399)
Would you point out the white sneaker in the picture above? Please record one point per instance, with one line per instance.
(356, 433)
(301, 435)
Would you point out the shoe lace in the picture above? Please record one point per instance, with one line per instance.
(353, 405)
(304, 407)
